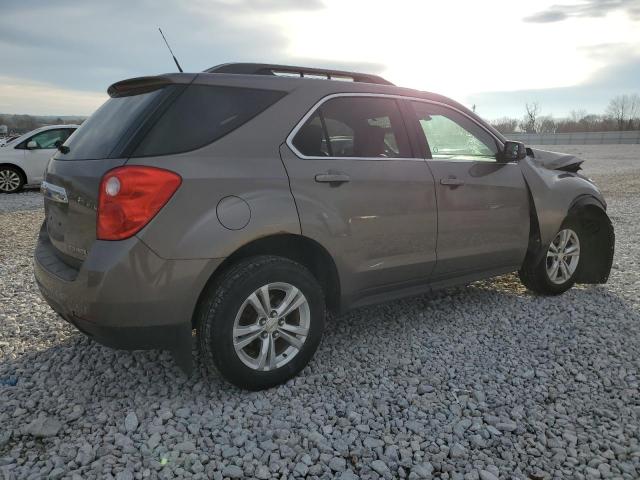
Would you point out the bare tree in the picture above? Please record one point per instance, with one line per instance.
(577, 115)
(624, 110)
(530, 121)
(546, 124)
(505, 125)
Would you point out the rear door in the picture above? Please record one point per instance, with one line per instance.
(362, 193)
(483, 204)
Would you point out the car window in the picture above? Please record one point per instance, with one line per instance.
(363, 127)
(311, 140)
(203, 114)
(452, 136)
(50, 138)
(103, 132)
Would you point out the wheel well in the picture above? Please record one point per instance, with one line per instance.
(300, 249)
(597, 246)
(535, 242)
(16, 167)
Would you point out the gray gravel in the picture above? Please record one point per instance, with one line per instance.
(29, 199)
(481, 382)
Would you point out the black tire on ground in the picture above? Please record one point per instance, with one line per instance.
(535, 276)
(11, 179)
(221, 302)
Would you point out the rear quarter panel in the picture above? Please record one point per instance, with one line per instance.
(245, 164)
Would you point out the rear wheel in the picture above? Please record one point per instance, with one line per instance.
(556, 272)
(11, 179)
(261, 322)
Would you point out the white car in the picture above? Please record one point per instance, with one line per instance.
(24, 159)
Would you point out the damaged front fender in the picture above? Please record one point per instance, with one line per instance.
(557, 192)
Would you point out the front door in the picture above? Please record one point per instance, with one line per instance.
(483, 204)
(40, 148)
(362, 194)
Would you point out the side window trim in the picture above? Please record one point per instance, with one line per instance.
(402, 100)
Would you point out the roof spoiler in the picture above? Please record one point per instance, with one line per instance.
(289, 70)
(138, 85)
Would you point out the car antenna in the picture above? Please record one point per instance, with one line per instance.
(170, 51)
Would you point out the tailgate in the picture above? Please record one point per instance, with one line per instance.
(70, 202)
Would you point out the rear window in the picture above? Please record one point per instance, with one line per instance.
(102, 135)
(201, 115)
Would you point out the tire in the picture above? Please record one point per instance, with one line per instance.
(229, 304)
(538, 277)
(11, 179)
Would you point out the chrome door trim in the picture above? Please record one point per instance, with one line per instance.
(289, 140)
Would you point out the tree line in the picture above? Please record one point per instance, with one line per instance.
(18, 124)
(622, 113)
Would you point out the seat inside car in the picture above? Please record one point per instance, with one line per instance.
(369, 142)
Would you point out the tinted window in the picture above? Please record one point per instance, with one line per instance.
(367, 127)
(202, 114)
(49, 138)
(311, 140)
(102, 134)
(452, 136)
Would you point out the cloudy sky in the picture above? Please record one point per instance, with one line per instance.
(59, 56)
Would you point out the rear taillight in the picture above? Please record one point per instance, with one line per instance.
(130, 197)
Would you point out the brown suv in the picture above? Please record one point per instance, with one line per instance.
(247, 200)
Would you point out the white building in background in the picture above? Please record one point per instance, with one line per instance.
(4, 130)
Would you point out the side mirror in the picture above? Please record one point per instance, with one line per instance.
(32, 145)
(513, 151)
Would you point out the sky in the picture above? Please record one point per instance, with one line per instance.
(57, 57)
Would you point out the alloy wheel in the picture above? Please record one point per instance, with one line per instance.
(271, 326)
(9, 180)
(563, 256)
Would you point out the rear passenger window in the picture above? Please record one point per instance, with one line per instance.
(364, 127)
(203, 114)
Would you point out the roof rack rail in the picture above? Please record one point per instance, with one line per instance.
(290, 70)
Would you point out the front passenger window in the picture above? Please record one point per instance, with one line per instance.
(50, 138)
(452, 136)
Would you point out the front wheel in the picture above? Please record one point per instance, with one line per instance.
(261, 322)
(556, 272)
(11, 179)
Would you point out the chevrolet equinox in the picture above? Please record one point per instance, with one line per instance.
(248, 201)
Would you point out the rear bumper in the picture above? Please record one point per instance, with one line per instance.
(124, 295)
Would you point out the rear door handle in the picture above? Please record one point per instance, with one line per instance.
(451, 182)
(332, 178)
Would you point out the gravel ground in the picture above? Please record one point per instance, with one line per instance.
(481, 382)
(29, 199)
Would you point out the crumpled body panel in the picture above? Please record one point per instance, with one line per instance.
(556, 194)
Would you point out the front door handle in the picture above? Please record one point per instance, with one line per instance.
(451, 182)
(332, 178)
